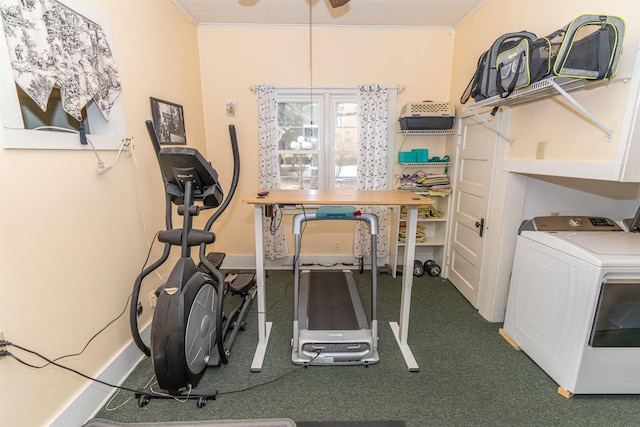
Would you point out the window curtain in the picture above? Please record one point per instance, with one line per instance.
(372, 163)
(50, 44)
(269, 173)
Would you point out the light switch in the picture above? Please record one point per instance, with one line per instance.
(232, 108)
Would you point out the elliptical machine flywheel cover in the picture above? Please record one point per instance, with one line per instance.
(183, 333)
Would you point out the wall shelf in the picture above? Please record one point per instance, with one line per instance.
(428, 132)
(545, 89)
(434, 228)
(426, 164)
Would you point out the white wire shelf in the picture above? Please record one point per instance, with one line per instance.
(427, 164)
(543, 89)
(428, 132)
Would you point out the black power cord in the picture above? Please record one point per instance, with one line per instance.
(4, 343)
(53, 362)
(276, 379)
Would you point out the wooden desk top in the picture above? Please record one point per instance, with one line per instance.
(339, 197)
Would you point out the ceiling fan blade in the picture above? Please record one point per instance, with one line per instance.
(338, 3)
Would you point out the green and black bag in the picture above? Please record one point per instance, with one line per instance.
(591, 47)
(508, 62)
(529, 61)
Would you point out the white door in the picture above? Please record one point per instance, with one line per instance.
(472, 185)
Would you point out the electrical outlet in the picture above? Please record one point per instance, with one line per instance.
(336, 245)
(540, 149)
(127, 145)
(153, 299)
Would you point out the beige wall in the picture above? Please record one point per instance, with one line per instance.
(569, 136)
(233, 59)
(73, 241)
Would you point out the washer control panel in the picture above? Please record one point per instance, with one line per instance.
(574, 223)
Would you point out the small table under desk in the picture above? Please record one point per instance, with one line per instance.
(339, 197)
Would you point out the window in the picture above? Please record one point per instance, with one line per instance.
(318, 135)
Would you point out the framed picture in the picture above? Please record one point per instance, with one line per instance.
(168, 120)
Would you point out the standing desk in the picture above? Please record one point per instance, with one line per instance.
(339, 197)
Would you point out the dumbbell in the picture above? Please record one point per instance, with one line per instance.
(432, 268)
(418, 268)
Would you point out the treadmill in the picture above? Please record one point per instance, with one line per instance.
(330, 325)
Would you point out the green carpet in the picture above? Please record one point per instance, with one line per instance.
(469, 376)
(97, 422)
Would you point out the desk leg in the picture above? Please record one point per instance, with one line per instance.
(401, 330)
(264, 327)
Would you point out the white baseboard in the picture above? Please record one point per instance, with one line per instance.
(89, 401)
(341, 261)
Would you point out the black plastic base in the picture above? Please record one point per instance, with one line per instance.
(145, 396)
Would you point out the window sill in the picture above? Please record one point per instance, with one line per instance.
(30, 139)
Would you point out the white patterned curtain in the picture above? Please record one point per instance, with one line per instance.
(372, 163)
(269, 173)
(50, 44)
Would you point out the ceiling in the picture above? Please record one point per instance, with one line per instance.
(402, 13)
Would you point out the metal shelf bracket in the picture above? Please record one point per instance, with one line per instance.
(583, 110)
(545, 89)
(490, 125)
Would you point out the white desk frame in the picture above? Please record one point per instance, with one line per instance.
(339, 197)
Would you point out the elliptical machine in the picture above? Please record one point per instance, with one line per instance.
(189, 330)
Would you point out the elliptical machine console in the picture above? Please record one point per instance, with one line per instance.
(183, 165)
(189, 330)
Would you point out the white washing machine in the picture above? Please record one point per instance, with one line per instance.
(574, 307)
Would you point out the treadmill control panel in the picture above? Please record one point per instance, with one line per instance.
(574, 223)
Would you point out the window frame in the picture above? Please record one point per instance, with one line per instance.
(327, 100)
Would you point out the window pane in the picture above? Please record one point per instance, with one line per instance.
(297, 113)
(346, 130)
(299, 171)
(346, 170)
(345, 140)
(346, 184)
(297, 125)
(298, 138)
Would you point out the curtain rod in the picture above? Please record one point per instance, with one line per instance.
(399, 88)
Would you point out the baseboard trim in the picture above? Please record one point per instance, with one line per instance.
(89, 401)
(341, 261)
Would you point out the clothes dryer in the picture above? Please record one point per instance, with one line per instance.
(574, 308)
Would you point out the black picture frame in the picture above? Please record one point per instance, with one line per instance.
(168, 121)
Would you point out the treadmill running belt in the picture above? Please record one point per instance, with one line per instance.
(330, 304)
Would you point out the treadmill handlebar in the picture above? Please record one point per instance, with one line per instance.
(372, 219)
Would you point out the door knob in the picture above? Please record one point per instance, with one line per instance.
(480, 225)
